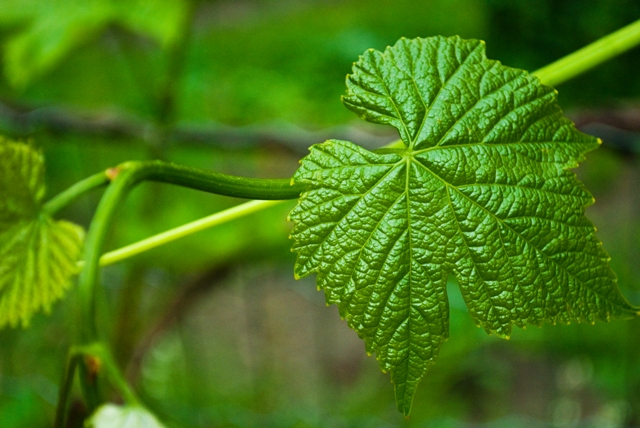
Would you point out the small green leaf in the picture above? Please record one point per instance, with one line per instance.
(482, 190)
(38, 255)
(112, 416)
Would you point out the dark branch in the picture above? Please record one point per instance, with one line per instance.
(21, 121)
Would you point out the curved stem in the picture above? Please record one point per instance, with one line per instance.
(124, 178)
(93, 246)
(212, 182)
(591, 55)
(128, 175)
(67, 196)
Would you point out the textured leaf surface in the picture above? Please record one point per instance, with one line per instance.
(482, 190)
(50, 29)
(38, 255)
(112, 416)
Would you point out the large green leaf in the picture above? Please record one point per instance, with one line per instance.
(38, 255)
(50, 29)
(112, 416)
(481, 190)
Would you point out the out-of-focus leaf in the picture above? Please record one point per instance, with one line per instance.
(112, 416)
(38, 255)
(50, 29)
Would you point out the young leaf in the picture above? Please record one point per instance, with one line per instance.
(112, 416)
(38, 255)
(481, 190)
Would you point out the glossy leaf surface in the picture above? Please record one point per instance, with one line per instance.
(38, 255)
(482, 190)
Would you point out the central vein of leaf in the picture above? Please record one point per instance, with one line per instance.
(409, 160)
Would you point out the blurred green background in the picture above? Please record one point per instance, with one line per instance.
(212, 330)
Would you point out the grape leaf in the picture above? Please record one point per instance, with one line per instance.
(112, 416)
(482, 190)
(51, 29)
(38, 255)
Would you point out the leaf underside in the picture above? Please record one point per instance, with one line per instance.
(481, 190)
(38, 255)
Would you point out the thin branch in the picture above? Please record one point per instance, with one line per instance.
(26, 120)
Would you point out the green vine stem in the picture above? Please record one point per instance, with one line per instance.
(591, 55)
(129, 174)
(123, 179)
(69, 195)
